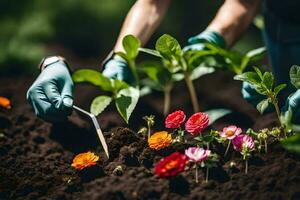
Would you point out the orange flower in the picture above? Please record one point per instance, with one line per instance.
(5, 102)
(84, 160)
(160, 140)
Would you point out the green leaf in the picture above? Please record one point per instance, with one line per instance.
(215, 114)
(278, 88)
(201, 71)
(94, 77)
(119, 85)
(292, 144)
(126, 101)
(259, 73)
(250, 77)
(99, 104)
(295, 76)
(262, 106)
(131, 46)
(268, 80)
(256, 54)
(168, 47)
(150, 51)
(157, 73)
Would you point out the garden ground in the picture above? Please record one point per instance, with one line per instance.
(36, 156)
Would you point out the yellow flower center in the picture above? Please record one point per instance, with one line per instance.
(171, 165)
(229, 133)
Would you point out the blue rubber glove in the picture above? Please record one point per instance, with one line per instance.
(293, 103)
(198, 42)
(250, 95)
(51, 93)
(117, 68)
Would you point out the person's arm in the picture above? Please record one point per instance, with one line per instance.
(233, 18)
(142, 20)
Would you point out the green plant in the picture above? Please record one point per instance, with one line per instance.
(124, 95)
(177, 65)
(180, 65)
(263, 83)
(150, 123)
(131, 46)
(234, 61)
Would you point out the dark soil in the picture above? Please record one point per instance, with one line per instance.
(36, 156)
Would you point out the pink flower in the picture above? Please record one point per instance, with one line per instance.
(197, 123)
(230, 132)
(197, 155)
(175, 119)
(243, 141)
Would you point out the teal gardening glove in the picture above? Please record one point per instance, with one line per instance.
(116, 67)
(198, 42)
(51, 93)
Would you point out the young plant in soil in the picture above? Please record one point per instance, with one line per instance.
(245, 145)
(201, 158)
(263, 83)
(124, 95)
(150, 123)
(195, 125)
(174, 121)
(177, 63)
(229, 133)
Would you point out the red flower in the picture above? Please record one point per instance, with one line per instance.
(175, 119)
(171, 165)
(197, 123)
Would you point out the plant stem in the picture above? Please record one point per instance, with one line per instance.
(207, 173)
(266, 146)
(149, 131)
(132, 67)
(167, 99)
(192, 91)
(275, 103)
(228, 146)
(246, 167)
(277, 112)
(207, 145)
(196, 175)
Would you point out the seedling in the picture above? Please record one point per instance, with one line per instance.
(150, 123)
(174, 121)
(131, 46)
(260, 138)
(263, 83)
(201, 158)
(229, 133)
(245, 145)
(178, 63)
(124, 95)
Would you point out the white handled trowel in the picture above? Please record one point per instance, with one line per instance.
(98, 129)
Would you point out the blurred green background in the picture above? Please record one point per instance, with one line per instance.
(84, 31)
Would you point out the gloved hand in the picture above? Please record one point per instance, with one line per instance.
(293, 103)
(51, 93)
(250, 95)
(117, 68)
(197, 42)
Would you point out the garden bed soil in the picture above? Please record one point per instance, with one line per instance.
(36, 156)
